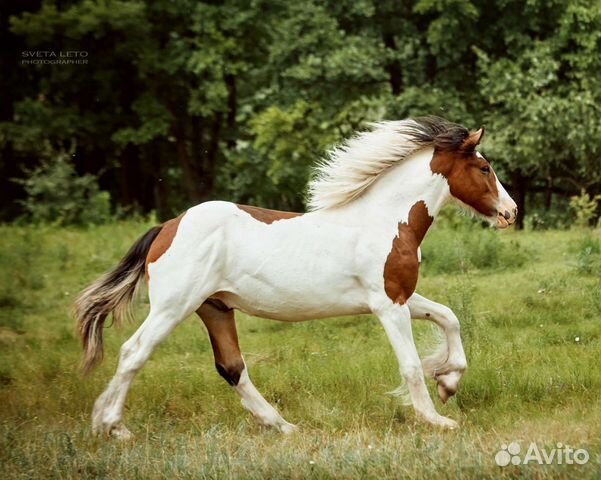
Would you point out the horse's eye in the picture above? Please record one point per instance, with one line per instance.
(485, 169)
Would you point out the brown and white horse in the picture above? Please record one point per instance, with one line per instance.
(355, 252)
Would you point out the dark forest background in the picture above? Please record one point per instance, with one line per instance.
(181, 101)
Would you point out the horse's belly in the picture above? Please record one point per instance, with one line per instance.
(286, 306)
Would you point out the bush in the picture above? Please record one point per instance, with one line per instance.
(588, 255)
(585, 208)
(549, 220)
(57, 195)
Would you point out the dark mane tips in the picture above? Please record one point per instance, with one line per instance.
(440, 133)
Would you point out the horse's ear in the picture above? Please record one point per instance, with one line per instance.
(473, 139)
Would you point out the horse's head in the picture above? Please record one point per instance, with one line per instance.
(473, 182)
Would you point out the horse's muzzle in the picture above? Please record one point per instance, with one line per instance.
(507, 217)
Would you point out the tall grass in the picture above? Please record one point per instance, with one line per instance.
(530, 324)
(459, 244)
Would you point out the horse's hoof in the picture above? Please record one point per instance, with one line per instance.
(444, 393)
(445, 423)
(287, 428)
(449, 424)
(447, 385)
(121, 433)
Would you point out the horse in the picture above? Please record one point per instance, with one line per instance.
(356, 251)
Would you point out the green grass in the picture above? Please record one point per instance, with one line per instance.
(523, 299)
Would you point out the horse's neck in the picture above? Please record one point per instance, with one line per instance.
(390, 199)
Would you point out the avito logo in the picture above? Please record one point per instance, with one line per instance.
(561, 454)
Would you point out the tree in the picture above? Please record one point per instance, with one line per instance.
(184, 101)
(544, 98)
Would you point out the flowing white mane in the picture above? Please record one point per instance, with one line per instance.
(352, 167)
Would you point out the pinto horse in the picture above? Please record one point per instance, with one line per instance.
(355, 252)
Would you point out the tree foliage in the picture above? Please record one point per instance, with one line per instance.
(183, 101)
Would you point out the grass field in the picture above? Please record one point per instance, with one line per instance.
(530, 307)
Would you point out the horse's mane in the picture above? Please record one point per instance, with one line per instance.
(351, 168)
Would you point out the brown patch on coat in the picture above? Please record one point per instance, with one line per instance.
(221, 326)
(402, 264)
(267, 216)
(163, 241)
(463, 170)
(419, 220)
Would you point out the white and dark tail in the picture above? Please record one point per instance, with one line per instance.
(111, 293)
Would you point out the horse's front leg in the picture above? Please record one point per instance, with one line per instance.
(447, 364)
(396, 320)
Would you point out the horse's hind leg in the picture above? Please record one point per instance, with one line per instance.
(447, 364)
(172, 300)
(108, 410)
(221, 326)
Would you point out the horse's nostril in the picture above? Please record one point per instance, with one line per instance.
(507, 215)
(515, 211)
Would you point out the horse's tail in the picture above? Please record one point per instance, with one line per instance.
(113, 292)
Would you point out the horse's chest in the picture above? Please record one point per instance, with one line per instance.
(402, 266)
